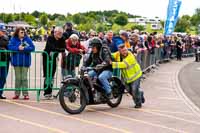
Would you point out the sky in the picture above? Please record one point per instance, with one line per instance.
(146, 8)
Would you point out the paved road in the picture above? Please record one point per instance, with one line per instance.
(165, 111)
(190, 81)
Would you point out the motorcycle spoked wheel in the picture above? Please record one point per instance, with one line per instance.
(72, 98)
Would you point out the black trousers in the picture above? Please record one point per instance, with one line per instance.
(179, 54)
(49, 85)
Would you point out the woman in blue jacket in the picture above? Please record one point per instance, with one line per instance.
(22, 45)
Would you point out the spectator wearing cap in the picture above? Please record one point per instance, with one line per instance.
(125, 37)
(75, 50)
(69, 30)
(131, 72)
(4, 57)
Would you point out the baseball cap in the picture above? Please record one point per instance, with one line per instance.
(2, 27)
(124, 33)
(118, 41)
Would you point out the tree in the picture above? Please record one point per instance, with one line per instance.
(30, 19)
(77, 18)
(8, 18)
(129, 26)
(162, 23)
(85, 27)
(2, 16)
(132, 26)
(121, 20)
(16, 17)
(51, 23)
(101, 27)
(138, 27)
(116, 28)
(56, 16)
(183, 24)
(36, 14)
(22, 16)
(61, 18)
(195, 19)
(43, 19)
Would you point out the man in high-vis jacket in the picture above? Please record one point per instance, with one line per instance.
(131, 73)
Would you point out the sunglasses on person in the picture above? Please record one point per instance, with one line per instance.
(22, 32)
(92, 35)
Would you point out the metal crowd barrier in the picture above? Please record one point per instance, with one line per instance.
(72, 63)
(148, 60)
(33, 79)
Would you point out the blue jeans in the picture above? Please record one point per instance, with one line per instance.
(103, 78)
(3, 75)
(136, 92)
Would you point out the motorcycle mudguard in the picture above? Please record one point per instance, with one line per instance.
(66, 78)
(70, 80)
(119, 82)
(77, 82)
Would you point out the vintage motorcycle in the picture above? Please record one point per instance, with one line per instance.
(76, 93)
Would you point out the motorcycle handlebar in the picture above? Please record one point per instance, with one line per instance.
(100, 66)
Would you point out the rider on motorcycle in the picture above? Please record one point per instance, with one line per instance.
(100, 58)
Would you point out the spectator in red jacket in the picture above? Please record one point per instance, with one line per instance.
(73, 54)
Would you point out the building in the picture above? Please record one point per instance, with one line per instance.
(15, 24)
(155, 22)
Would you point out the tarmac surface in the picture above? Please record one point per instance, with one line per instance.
(166, 110)
(189, 78)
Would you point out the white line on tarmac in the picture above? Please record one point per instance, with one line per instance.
(32, 123)
(70, 117)
(198, 68)
(165, 115)
(165, 89)
(140, 121)
(167, 98)
(153, 110)
(110, 114)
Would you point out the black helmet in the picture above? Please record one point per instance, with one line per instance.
(69, 24)
(95, 42)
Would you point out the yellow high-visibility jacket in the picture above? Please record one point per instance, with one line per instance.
(129, 66)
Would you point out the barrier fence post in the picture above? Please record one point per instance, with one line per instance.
(33, 76)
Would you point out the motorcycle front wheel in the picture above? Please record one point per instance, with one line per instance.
(72, 98)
